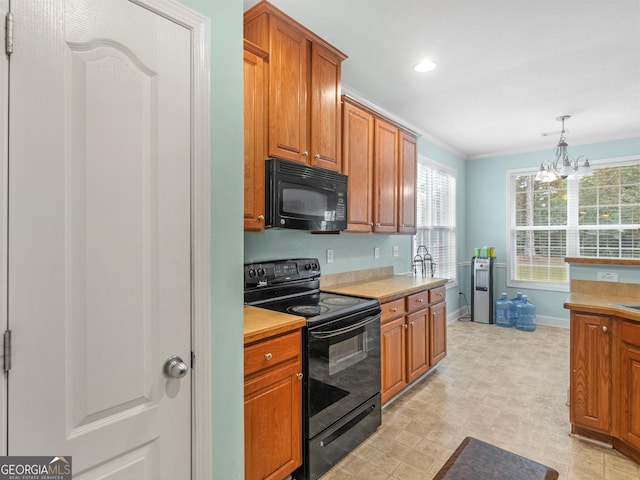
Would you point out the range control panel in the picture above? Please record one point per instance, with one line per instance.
(280, 271)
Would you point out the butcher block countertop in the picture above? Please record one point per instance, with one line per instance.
(388, 288)
(260, 324)
(602, 298)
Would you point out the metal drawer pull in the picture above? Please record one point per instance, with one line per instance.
(605, 329)
(299, 375)
(268, 356)
(394, 310)
(421, 300)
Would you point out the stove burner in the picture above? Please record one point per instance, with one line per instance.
(307, 309)
(342, 301)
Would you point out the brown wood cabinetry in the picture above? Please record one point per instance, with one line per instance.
(358, 166)
(304, 116)
(385, 177)
(628, 378)
(380, 160)
(605, 380)
(407, 172)
(590, 364)
(413, 338)
(273, 407)
(254, 147)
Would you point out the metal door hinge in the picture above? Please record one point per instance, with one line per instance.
(6, 351)
(8, 33)
(193, 360)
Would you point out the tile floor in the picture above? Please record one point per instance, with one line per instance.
(499, 385)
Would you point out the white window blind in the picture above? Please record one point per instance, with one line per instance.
(597, 216)
(436, 217)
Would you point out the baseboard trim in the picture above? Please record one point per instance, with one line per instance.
(540, 319)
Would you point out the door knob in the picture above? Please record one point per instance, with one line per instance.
(174, 367)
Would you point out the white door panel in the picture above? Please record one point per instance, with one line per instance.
(99, 238)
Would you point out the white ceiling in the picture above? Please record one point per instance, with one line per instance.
(506, 68)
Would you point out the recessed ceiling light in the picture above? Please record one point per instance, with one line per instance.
(424, 66)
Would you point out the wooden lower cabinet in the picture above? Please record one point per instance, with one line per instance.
(629, 380)
(590, 374)
(413, 338)
(273, 407)
(605, 380)
(437, 333)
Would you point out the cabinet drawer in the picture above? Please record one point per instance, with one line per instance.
(392, 309)
(417, 301)
(437, 294)
(630, 333)
(272, 352)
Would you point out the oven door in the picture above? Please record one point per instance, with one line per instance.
(343, 368)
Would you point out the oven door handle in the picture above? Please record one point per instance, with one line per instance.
(340, 331)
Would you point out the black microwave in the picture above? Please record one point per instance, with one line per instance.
(304, 197)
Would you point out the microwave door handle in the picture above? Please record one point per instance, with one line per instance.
(340, 331)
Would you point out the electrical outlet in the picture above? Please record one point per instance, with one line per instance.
(376, 252)
(396, 251)
(607, 276)
(329, 256)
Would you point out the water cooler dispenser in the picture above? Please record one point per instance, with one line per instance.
(482, 289)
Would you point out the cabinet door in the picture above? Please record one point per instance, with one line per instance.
(407, 182)
(254, 88)
(417, 344)
(288, 83)
(590, 379)
(325, 128)
(358, 165)
(628, 380)
(385, 174)
(273, 424)
(437, 333)
(392, 350)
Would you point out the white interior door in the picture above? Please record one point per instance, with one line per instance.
(99, 269)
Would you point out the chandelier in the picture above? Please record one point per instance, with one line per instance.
(563, 166)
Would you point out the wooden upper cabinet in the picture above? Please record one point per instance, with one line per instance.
(408, 162)
(358, 166)
(304, 88)
(287, 92)
(254, 147)
(385, 174)
(326, 125)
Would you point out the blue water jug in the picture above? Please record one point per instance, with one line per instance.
(525, 315)
(504, 312)
(514, 313)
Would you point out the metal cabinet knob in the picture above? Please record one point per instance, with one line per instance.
(605, 329)
(268, 356)
(261, 218)
(299, 375)
(394, 310)
(405, 326)
(421, 300)
(317, 156)
(304, 154)
(174, 367)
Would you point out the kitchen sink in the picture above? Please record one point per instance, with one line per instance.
(634, 307)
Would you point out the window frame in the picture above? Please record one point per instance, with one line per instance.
(572, 227)
(452, 172)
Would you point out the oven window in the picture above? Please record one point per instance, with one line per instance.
(347, 353)
(300, 201)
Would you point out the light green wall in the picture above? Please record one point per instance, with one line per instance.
(351, 251)
(227, 172)
(487, 205)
